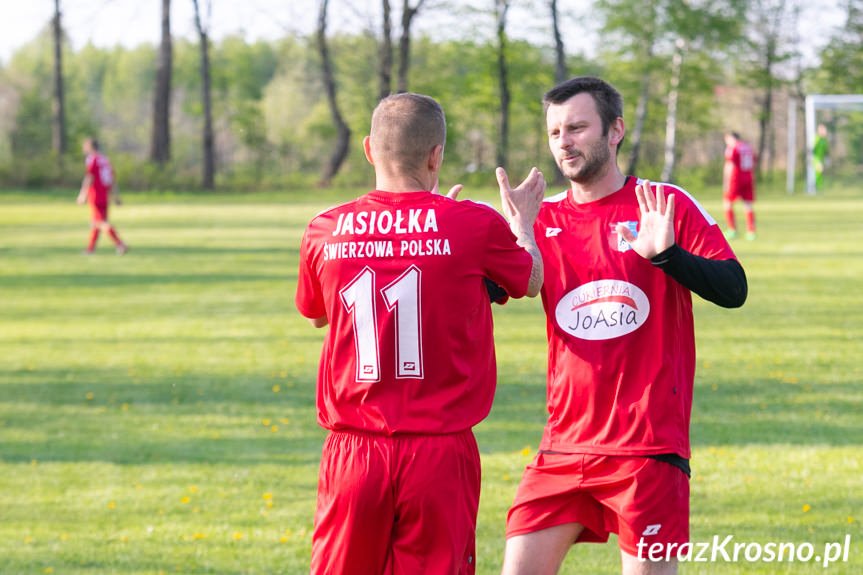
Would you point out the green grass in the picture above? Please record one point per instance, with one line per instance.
(157, 410)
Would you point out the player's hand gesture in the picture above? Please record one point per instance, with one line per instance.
(521, 205)
(656, 229)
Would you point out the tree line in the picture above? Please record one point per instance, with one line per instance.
(237, 114)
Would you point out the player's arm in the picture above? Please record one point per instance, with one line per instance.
(318, 321)
(727, 169)
(85, 185)
(722, 282)
(521, 206)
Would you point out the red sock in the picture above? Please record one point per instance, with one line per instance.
(729, 217)
(94, 235)
(750, 222)
(114, 236)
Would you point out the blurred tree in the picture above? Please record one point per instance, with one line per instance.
(560, 71)
(636, 25)
(343, 130)
(160, 142)
(501, 7)
(408, 13)
(385, 67)
(209, 165)
(770, 31)
(841, 68)
(695, 29)
(841, 71)
(58, 136)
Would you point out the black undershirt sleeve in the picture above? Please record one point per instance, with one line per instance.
(496, 294)
(722, 282)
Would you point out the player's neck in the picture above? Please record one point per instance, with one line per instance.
(606, 185)
(404, 183)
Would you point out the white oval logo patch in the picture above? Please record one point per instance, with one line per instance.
(603, 309)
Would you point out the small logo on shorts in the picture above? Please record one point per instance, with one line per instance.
(652, 529)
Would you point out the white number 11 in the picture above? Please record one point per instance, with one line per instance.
(401, 296)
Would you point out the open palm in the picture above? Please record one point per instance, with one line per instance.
(656, 228)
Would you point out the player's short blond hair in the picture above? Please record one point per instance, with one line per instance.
(405, 129)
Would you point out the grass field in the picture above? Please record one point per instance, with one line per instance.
(157, 410)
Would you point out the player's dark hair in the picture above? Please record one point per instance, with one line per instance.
(94, 143)
(609, 102)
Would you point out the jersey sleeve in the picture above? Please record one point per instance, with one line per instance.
(506, 263)
(90, 164)
(309, 298)
(697, 231)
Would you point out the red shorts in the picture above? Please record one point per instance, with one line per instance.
(740, 191)
(641, 499)
(98, 213)
(396, 505)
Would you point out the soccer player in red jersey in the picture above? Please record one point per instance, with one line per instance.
(97, 189)
(408, 365)
(620, 261)
(738, 183)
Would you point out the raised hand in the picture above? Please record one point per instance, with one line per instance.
(656, 229)
(521, 205)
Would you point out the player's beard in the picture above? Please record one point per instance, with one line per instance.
(594, 166)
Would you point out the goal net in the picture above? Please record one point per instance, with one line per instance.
(843, 134)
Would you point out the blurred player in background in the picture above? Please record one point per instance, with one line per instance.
(820, 150)
(408, 365)
(97, 189)
(738, 183)
(620, 262)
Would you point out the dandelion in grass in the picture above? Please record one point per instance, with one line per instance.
(286, 421)
(111, 505)
(184, 500)
(850, 519)
(274, 428)
(28, 540)
(284, 374)
(64, 537)
(277, 388)
(193, 488)
(266, 422)
(526, 450)
(89, 395)
(200, 535)
(48, 570)
(806, 508)
(267, 496)
(238, 536)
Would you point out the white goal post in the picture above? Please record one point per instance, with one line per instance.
(814, 102)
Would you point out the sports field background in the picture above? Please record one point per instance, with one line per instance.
(157, 410)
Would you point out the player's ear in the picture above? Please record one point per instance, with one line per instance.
(367, 148)
(435, 159)
(615, 132)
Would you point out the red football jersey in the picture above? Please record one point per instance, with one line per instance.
(621, 345)
(399, 277)
(100, 169)
(742, 158)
